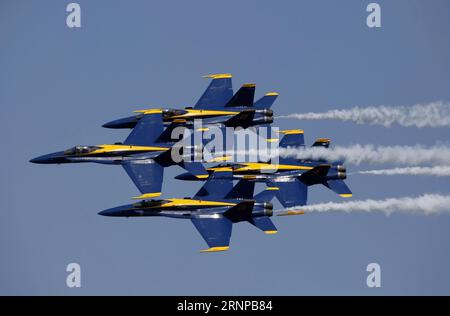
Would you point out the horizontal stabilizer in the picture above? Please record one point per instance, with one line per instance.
(339, 187)
(265, 224)
(266, 101)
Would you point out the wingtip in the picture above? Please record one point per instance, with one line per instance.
(216, 249)
(147, 195)
(219, 76)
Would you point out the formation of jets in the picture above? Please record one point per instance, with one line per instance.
(218, 204)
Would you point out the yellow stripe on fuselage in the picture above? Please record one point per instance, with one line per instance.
(125, 148)
(190, 202)
(261, 166)
(204, 113)
(190, 113)
(149, 111)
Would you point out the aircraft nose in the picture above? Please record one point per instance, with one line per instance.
(41, 159)
(105, 213)
(49, 158)
(123, 210)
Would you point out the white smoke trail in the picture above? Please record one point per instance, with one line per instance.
(438, 171)
(435, 114)
(357, 154)
(427, 204)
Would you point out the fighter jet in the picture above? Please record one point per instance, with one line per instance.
(217, 106)
(143, 155)
(289, 177)
(213, 210)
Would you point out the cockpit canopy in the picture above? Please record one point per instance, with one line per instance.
(168, 113)
(149, 203)
(79, 150)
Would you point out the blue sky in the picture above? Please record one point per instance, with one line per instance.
(59, 85)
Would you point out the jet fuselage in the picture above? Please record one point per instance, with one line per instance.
(104, 154)
(183, 208)
(210, 116)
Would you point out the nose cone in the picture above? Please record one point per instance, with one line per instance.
(127, 122)
(124, 210)
(57, 157)
(187, 176)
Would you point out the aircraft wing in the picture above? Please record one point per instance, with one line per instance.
(146, 131)
(146, 174)
(215, 230)
(243, 119)
(218, 93)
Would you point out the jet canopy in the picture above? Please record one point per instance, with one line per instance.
(149, 203)
(78, 150)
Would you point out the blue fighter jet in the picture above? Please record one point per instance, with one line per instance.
(288, 177)
(213, 210)
(216, 106)
(144, 155)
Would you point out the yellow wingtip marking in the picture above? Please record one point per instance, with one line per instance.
(272, 140)
(291, 131)
(272, 94)
(271, 232)
(215, 249)
(147, 195)
(202, 176)
(346, 195)
(272, 188)
(323, 140)
(218, 76)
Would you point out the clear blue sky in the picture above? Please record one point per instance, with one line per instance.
(58, 85)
